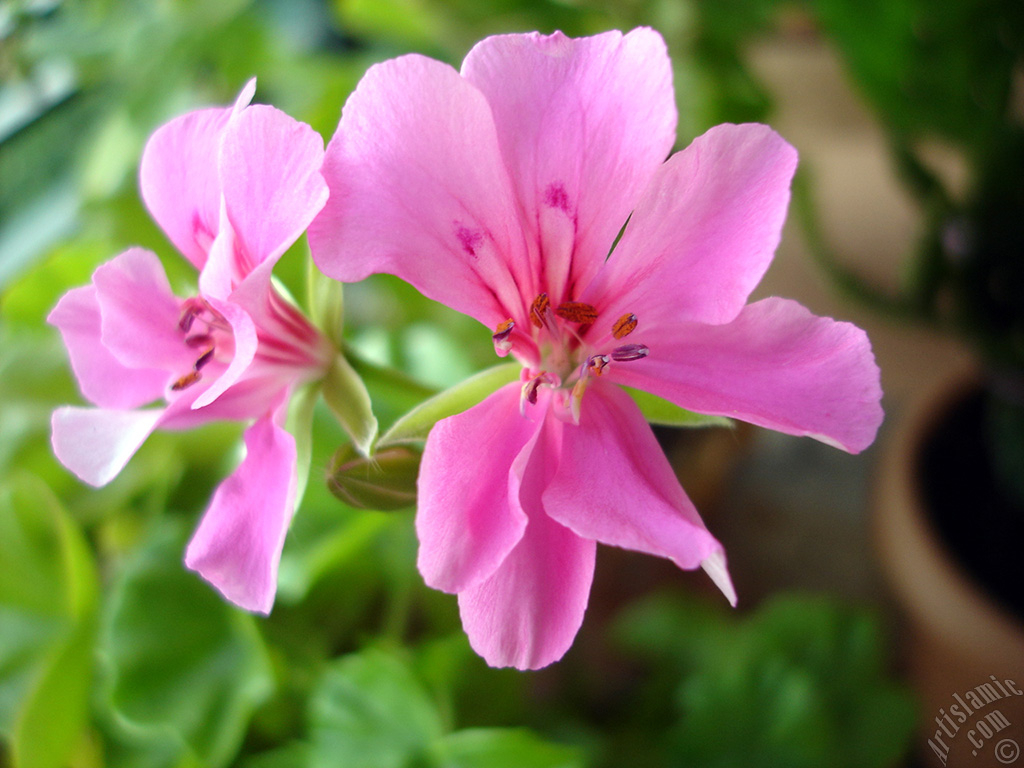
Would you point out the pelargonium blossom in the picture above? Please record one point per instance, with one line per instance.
(232, 188)
(501, 190)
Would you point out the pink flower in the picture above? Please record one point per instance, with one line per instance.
(233, 188)
(500, 191)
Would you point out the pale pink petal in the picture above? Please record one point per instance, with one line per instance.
(180, 180)
(96, 443)
(704, 231)
(468, 517)
(776, 365)
(583, 124)
(237, 546)
(527, 613)
(140, 314)
(270, 167)
(419, 190)
(103, 380)
(245, 340)
(614, 484)
(248, 398)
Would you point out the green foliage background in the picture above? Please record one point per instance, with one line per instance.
(112, 654)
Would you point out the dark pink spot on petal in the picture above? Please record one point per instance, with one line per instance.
(469, 238)
(555, 196)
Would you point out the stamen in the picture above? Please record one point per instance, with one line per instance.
(577, 312)
(629, 352)
(502, 334)
(595, 364)
(186, 381)
(199, 340)
(190, 310)
(624, 326)
(539, 309)
(529, 391)
(204, 358)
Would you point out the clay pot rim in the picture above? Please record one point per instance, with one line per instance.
(918, 566)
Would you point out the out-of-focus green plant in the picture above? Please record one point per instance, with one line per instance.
(800, 682)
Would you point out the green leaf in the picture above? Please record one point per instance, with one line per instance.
(48, 598)
(326, 302)
(417, 423)
(504, 748)
(186, 670)
(347, 397)
(666, 414)
(370, 711)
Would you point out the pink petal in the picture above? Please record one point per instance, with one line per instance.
(96, 443)
(527, 613)
(418, 189)
(614, 484)
(237, 546)
(103, 380)
(244, 334)
(180, 180)
(704, 232)
(140, 314)
(776, 365)
(468, 517)
(583, 124)
(270, 171)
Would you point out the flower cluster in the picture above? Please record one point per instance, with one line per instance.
(531, 191)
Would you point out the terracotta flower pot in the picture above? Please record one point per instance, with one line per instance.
(962, 651)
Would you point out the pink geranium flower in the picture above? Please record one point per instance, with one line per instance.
(232, 188)
(500, 191)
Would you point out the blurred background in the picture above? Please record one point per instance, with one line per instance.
(861, 612)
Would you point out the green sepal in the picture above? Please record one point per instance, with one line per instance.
(415, 425)
(665, 414)
(326, 303)
(346, 395)
(386, 481)
(300, 425)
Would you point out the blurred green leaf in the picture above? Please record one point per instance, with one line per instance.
(663, 413)
(504, 748)
(48, 598)
(417, 423)
(185, 669)
(370, 711)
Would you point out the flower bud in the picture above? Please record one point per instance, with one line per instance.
(385, 481)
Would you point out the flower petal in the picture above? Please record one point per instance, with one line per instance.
(418, 189)
(96, 443)
(140, 314)
(704, 232)
(103, 379)
(615, 485)
(468, 517)
(237, 546)
(776, 365)
(180, 181)
(583, 124)
(270, 171)
(527, 613)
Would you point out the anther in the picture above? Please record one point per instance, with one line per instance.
(204, 358)
(596, 364)
(502, 334)
(577, 312)
(624, 326)
(529, 391)
(191, 309)
(186, 381)
(539, 309)
(629, 352)
(199, 340)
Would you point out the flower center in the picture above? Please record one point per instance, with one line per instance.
(200, 325)
(570, 351)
